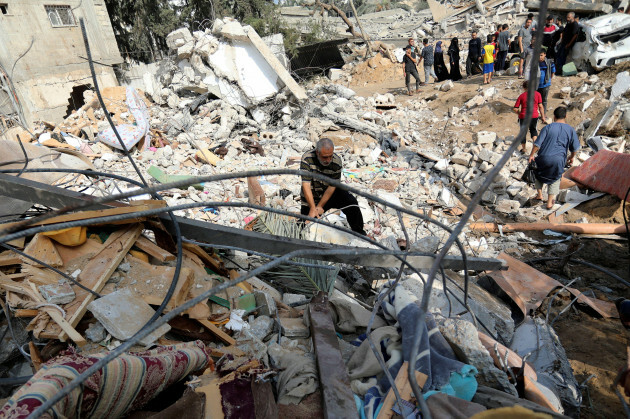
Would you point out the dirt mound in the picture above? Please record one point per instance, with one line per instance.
(377, 69)
(609, 75)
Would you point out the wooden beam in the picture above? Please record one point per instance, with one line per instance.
(42, 248)
(8, 258)
(217, 332)
(95, 275)
(153, 249)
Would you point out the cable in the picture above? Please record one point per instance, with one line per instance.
(471, 207)
(582, 262)
(26, 159)
(63, 392)
(57, 271)
(178, 264)
(7, 314)
(625, 221)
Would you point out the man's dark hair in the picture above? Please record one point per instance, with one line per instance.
(324, 143)
(505, 26)
(560, 112)
(530, 16)
(549, 17)
(525, 84)
(425, 41)
(410, 39)
(489, 38)
(473, 32)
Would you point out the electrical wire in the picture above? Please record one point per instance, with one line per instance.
(471, 207)
(7, 314)
(178, 235)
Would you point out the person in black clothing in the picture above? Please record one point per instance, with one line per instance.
(438, 63)
(503, 44)
(567, 40)
(410, 61)
(474, 55)
(453, 58)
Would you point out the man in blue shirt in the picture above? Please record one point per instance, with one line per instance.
(546, 70)
(553, 144)
(427, 56)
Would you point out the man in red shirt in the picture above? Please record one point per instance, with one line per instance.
(520, 107)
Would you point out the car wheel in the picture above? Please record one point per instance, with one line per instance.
(515, 61)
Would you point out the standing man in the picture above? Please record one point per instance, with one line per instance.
(549, 36)
(410, 60)
(524, 39)
(546, 71)
(427, 55)
(504, 46)
(567, 39)
(318, 196)
(474, 55)
(553, 144)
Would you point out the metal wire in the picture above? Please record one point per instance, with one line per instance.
(471, 207)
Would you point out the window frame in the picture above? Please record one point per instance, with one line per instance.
(55, 8)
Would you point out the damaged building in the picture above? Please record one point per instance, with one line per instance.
(43, 60)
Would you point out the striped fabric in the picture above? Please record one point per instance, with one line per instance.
(125, 384)
(310, 163)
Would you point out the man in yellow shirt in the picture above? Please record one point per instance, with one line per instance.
(489, 52)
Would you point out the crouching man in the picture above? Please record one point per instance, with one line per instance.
(318, 196)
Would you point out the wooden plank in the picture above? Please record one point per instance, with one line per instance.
(95, 275)
(55, 314)
(42, 248)
(8, 258)
(215, 264)
(36, 357)
(217, 332)
(154, 250)
(404, 388)
(23, 312)
(85, 215)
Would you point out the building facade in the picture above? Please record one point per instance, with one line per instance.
(43, 62)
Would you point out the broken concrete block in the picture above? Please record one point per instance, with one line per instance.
(178, 38)
(294, 328)
(124, 314)
(446, 86)
(489, 156)
(485, 137)
(60, 293)
(96, 332)
(335, 74)
(441, 165)
(464, 339)
(565, 92)
(490, 92)
(462, 158)
(234, 30)
(266, 303)
(475, 101)
(489, 198)
(428, 244)
(206, 46)
(388, 185)
(508, 207)
(261, 327)
(453, 111)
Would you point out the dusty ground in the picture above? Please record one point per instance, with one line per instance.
(593, 345)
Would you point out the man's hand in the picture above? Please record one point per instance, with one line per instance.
(531, 158)
(312, 212)
(319, 210)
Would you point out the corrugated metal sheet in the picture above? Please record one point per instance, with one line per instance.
(606, 171)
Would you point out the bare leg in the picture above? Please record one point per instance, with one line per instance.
(539, 195)
(551, 200)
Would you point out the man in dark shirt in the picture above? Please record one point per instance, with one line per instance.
(318, 196)
(474, 55)
(567, 40)
(410, 59)
(503, 42)
(549, 32)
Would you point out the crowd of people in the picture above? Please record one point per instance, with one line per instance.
(490, 56)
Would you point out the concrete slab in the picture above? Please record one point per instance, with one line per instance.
(123, 314)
